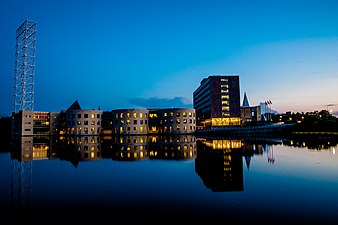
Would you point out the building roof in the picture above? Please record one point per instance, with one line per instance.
(75, 106)
(245, 101)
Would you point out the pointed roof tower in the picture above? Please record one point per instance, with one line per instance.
(248, 160)
(245, 101)
(75, 106)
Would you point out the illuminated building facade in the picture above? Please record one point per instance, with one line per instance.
(154, 121)
(217, 101)
(77, 121)
(249, 113)
(27, 123)
(149, 121)
(125, 121)
(177, 120)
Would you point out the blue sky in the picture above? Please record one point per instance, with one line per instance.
(135, 54)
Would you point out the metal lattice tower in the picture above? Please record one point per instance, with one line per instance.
(24, 67)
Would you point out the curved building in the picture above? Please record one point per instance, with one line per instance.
(82, 122)
(177, 120)
(127, 121)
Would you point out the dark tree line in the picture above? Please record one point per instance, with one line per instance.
(317, 121)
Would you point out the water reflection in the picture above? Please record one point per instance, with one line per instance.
(220, 163)
(125, 148)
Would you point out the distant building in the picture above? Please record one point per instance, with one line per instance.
(217, 101)
(149, 121)
(77, 121)
(22, 123)
(125, 121)
(27, 123)
(177, 120)
(249, 113)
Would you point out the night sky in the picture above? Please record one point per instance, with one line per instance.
(136, 54)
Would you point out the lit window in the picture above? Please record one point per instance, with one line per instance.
(225, 108)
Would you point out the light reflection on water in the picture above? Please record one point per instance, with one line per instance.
(207, 177)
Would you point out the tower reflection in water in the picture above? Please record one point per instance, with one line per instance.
(23, 151)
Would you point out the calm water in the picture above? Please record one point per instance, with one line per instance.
(140, 178)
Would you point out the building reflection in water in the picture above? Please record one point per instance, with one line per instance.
(79, 148)
(144, 147)
(176, 147)
(219, 164)
(125, 147)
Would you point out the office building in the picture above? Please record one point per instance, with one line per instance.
(77, 121)
(217, 101)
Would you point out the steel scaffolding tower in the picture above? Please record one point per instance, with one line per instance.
(23, 99)
(24, 67)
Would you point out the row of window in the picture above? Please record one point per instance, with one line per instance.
(178, 114)
(165, 129)
(85, 115)
(128, 115)
(86, 122)
(153, 115)
(178, 121)
(85, 130)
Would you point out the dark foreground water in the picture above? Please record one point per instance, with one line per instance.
(176, 179)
